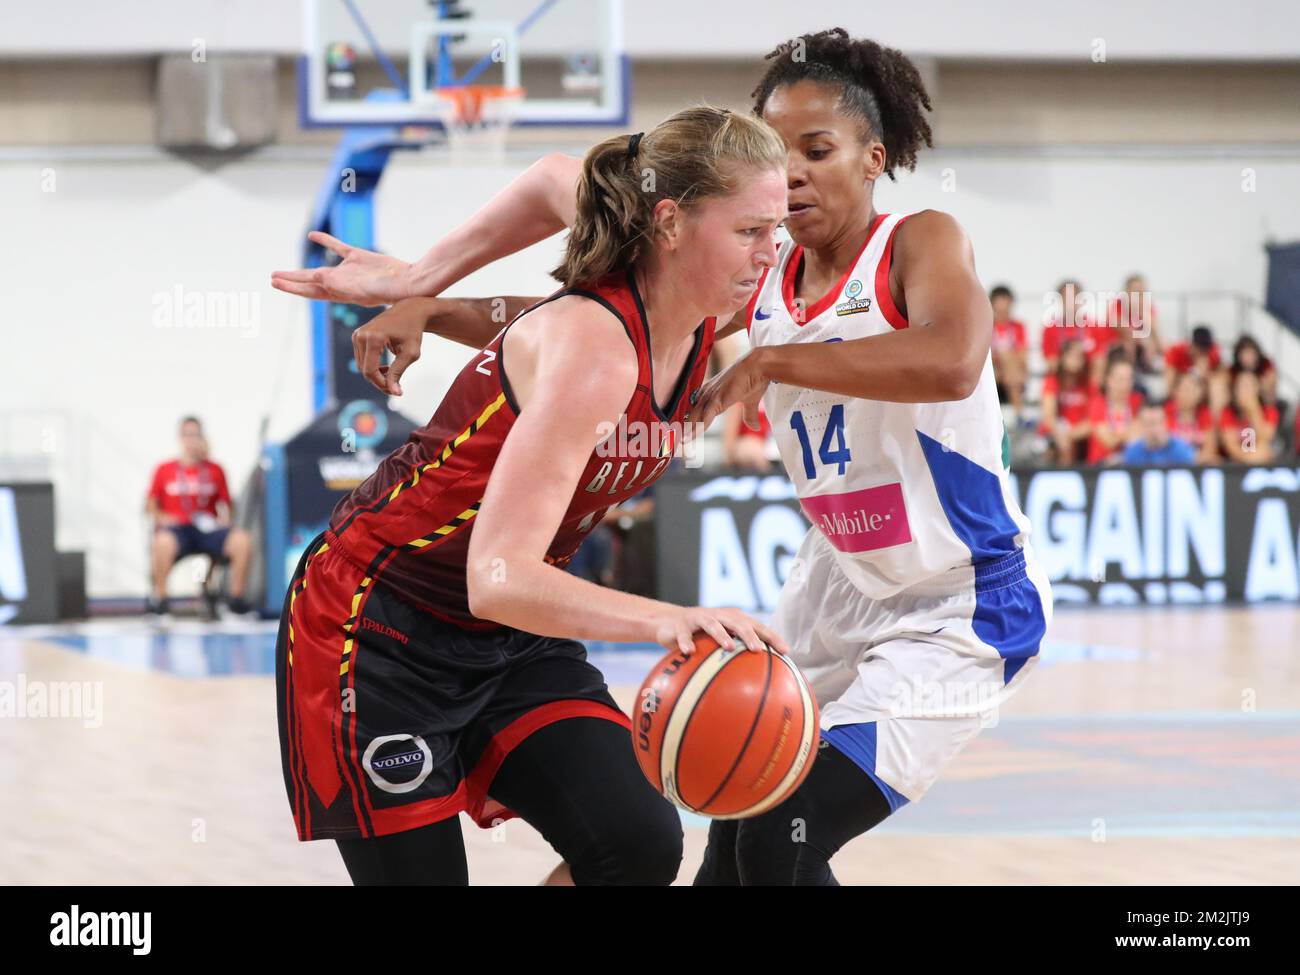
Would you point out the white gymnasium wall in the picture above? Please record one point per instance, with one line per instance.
(93, 383)
(1209, 29)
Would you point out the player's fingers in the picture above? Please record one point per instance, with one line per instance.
(685, 642)
(743, 627)
(301, 289)
(716, 629)
(326, 240)
(750, 415)
(297, 274)
(370, 359)
(404, 358)
(708, 410)
(772, 638)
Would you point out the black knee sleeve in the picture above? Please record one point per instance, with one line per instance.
(638, 848)
(793, 844)
(433, 854)
(578, 783)
(719, 866)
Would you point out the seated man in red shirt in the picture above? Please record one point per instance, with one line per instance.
(192, 512)
(1009, 350)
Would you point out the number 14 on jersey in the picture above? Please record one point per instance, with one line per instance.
(833, 448)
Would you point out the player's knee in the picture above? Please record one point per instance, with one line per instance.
(640, 849)
(718, 867)
(767, 848)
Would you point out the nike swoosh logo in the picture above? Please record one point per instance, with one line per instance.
(759, 316)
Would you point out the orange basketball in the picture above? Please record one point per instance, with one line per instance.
(725, 731)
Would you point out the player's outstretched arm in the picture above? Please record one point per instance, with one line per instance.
(568, 408)
(538, 203)
(400, 330)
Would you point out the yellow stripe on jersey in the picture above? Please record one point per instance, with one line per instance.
(450, 448)
(445, 530)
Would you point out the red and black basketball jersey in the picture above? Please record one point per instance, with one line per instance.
(409, 524)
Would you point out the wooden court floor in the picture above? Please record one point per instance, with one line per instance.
(1150, 746)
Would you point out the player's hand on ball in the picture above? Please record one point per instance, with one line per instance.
(400, 330)
(676, 631)
(362, 278)
(742, 382)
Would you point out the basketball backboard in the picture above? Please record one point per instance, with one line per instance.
(567, 55)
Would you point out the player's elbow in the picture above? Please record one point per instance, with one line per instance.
(962, 379)
(484, 588)
(491, 586)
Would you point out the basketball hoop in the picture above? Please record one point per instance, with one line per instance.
(477, 117)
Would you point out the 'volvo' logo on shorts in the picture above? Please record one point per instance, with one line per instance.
(398, 763)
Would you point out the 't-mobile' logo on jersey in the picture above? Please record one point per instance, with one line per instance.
(861, 521)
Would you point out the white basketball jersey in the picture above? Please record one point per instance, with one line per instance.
(902, 491)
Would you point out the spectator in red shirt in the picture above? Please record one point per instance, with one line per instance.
(1112, 413)
(1009, 350)
(192, 512)
(1133, 321)
(1247, 425)
(1067, 322)
(1188, 416)
(1200, 355)
(1247, 356)
(1065, 397)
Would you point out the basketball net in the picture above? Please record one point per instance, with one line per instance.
(477, 118)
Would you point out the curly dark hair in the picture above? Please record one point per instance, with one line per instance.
(877, 84)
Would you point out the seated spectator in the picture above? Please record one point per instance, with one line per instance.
(1127, 352)
(1112, 413)
(1009, 350)
(1068, 321)
(1247, 356)
(1188, 417)
(1065, 397)
(1200, 355)
(1154, 445)
(1247, 426)
(192, 514)
(1134, 321)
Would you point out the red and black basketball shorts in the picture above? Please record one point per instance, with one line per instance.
(391, 719)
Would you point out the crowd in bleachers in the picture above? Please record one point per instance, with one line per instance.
(1113, 391)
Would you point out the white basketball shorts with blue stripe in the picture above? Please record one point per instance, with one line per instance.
(905, 682)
